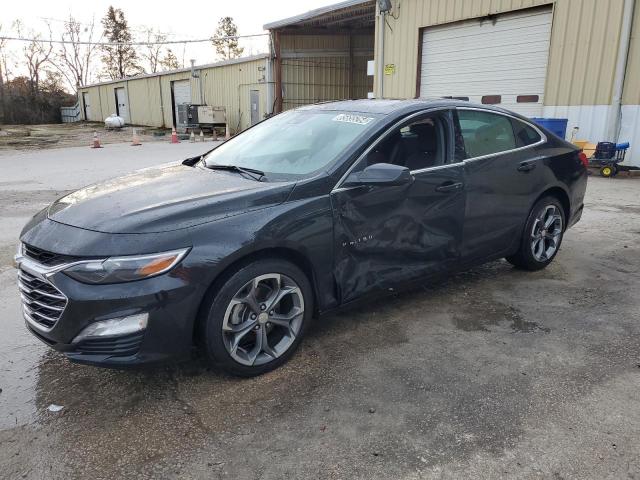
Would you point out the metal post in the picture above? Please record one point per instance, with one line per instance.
(278, 72)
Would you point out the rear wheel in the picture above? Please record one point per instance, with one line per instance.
(542, 235)
(256, 319)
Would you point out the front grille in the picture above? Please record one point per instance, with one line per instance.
(123, 346)
(41, 301)
(46, 258)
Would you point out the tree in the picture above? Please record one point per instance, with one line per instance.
(120, 60)
(37, 54)
(169, 61)
(224, 41)
(74, 60)
(153, 49)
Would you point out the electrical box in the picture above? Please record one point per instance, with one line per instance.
(194, 116)
(209, 115)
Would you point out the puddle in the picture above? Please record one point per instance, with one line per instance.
(488, 315)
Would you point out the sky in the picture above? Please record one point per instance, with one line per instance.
(181, 20)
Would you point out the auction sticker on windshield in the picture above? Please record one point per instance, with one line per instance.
(351, 118)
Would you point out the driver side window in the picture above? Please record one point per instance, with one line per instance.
(418, 144)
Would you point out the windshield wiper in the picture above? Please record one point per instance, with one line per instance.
(251, 172)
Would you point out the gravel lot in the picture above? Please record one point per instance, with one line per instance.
(492, 373)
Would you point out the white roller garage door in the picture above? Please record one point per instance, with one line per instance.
(505, 56)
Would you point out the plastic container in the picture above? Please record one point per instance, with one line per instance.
(554, 125)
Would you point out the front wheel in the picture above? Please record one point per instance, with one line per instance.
(256, 319)
(542, 235)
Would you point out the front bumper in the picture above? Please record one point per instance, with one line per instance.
(170, 301)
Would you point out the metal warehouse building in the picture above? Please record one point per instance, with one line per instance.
(238, 85)
(574, 59)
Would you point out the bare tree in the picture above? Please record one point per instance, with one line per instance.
(153, 50)
(37, 54)
(74, 60)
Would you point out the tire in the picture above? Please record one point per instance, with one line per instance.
(245, 329)
(539, 244)
(608, 171)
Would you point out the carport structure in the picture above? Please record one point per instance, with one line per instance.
(322, 55)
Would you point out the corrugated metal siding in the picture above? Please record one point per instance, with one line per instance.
(405, 21)
(315, 68)
(230, 86)
(582, 56)
(631, 92)
(584, 50)
(150, 97)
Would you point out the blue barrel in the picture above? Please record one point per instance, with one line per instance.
(555, 125)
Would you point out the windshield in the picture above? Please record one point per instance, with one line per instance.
(293, 144)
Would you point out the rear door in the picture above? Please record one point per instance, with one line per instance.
(387, 234)
(503, 174)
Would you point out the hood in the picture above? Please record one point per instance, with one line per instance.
(164, 198)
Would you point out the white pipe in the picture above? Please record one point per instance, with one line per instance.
(381, 56)
(621, 68)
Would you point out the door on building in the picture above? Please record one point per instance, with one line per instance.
(122, 104)
(181, 92)
(254, 102)
(384, 234)
(86, 105)
(500, 61)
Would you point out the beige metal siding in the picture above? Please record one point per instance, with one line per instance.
(631, 92)
(144, 101)
(316, 68)
(150, 97)
(229, 86)
(583, 51)
(402, 36)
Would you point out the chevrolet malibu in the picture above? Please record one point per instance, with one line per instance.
(235, 251)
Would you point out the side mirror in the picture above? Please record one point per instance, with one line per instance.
(380, 174)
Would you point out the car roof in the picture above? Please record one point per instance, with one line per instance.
(395, 107)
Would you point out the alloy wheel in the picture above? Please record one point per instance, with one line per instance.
(546, 233)
(263, 319)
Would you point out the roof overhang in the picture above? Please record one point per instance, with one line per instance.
(350, 14)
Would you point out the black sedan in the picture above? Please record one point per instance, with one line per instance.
(237, 250)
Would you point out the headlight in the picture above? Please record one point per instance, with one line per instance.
(125, 269)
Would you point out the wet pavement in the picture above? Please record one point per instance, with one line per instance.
(491, 373)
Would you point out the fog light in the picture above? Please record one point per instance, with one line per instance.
(114, 327)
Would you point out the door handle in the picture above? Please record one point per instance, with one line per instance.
(526, 166)
(448, 187)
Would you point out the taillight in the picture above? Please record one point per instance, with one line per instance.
(584, 159)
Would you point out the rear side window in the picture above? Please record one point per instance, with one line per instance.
(525, 135)
(485, 133)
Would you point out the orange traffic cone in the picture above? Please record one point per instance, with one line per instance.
(192, 137)
(174, 136)
(136, 140)
(227, 135)
(96, 142)
(201, 136)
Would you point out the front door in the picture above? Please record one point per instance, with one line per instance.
(255, 106)
(122, 105)
(387, 234)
